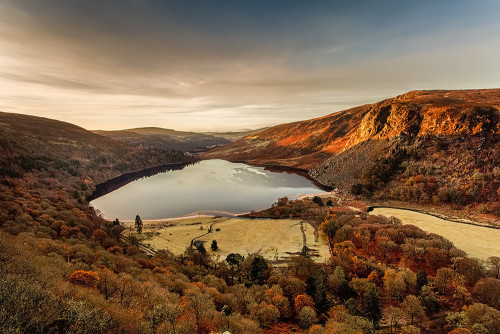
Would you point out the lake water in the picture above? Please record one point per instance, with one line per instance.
(210, 186)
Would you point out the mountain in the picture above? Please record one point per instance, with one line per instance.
(448, 136)
(167, 138)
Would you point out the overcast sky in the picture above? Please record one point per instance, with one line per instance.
(235, 64)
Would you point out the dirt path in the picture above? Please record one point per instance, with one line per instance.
(476, 241)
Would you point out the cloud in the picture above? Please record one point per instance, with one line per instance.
(199, 65)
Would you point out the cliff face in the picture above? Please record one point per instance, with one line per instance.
(421, 113)
(415, 114)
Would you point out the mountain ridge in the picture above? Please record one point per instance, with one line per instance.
(186, 141)
(379, 150)
(314, 139)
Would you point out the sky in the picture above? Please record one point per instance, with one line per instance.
(214, 65)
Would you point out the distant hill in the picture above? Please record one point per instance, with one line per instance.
(31, 144)
(448, 136)
(185, 141)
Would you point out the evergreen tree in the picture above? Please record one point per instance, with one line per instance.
(305, 252)
(421, 279)
(200, 248)
(371, 304)
(345, 291)
(214, 245)
(138, 224)
(257, 268)
(316, 288)
(352, 306)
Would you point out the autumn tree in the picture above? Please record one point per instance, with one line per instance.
(394, 283)
(84, 278)
(336, 278)
(493, 263)
(301, 301)
(164, 314)
(460, 330)
(307, 317)
(394, 315)
(234, 260)
(470, 268)
(214, 245)
(265, 314)
(487, 291)
(412, 308)
(443, 279)
(198, 303)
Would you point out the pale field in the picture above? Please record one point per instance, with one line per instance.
(476, 241)
(274, 239)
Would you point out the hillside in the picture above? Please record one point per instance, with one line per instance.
(167, 138)
(34, 145)
(448, 136)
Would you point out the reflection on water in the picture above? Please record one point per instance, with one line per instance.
(211, 185)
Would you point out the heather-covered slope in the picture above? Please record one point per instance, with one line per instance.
(418, 113)
(36, 145)
(449, 139)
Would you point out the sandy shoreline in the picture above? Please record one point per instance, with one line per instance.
(189, 216)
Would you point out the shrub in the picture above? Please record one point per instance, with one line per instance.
(84, 278)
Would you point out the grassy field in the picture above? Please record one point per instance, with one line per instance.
(274, 239)
(476, 241)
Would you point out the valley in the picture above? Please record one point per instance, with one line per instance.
(260, 268)
(249, 167)
(185, 141)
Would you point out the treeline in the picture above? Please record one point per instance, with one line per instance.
(381, 273)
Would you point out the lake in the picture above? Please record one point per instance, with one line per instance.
(207, 187)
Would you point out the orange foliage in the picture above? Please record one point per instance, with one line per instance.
(115, 250)
(206, 326)
(303, 300)
(84, 278)
(161, 270)
(460, 331)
